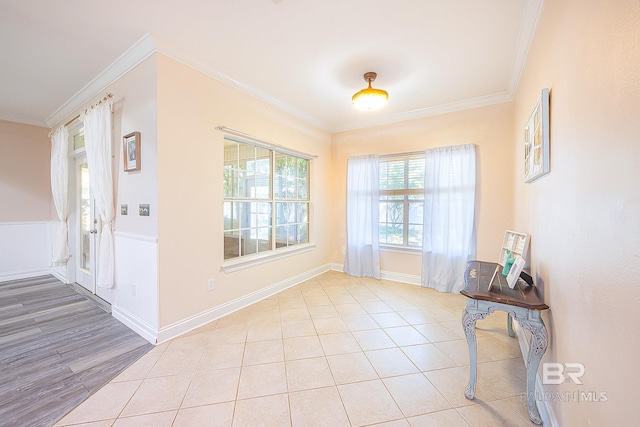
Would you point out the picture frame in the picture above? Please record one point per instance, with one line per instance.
(536, 140)
(514, 273)
(131, 151)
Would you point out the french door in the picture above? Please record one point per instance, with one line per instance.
(87, 230)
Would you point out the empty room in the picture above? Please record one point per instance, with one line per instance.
(319, 213)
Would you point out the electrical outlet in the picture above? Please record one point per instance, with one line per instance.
(134, 289)
(210, 285)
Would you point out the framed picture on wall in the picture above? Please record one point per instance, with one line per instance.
(536, 140)
(131, 151)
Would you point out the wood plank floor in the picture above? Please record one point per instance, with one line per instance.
(57, 347)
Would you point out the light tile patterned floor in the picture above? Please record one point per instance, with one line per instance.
(332, 351)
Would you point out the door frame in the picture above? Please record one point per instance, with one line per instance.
(85, 278)
(74, 238)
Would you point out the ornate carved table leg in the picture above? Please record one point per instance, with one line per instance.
(469, 326)
(537, 347)
(510, 326)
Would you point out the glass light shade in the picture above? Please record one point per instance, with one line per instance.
(370, 99)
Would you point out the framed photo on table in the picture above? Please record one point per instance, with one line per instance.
(131, 151)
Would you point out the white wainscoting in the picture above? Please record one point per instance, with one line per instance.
(214, 313)
(25, 250)
(136, 284)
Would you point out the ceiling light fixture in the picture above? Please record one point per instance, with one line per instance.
(370, 99)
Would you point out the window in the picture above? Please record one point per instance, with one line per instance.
(401, 200)
(266, 199)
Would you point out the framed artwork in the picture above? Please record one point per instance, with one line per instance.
(131, 151)
(536, 140)
(514, 273)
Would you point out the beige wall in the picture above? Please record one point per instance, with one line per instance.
(25, 173)
(190, 159)
(584, 216)
(488, 127)
(134, 109)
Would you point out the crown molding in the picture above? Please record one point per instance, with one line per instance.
(16, 119)
(530, 17)
(137, 53)
(148, 45)
(236, 83)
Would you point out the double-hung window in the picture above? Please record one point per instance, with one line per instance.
(401, 200)
(266, 199)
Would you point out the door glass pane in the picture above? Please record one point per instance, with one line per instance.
(78, 140)
(85, 219)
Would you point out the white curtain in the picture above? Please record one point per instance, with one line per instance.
(448, 239)
(98, 143)
(362, 257)
(60, 192)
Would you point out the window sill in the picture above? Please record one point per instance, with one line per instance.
(253, 260)
(401, 250)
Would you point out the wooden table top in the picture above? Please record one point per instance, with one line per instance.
(477, 277)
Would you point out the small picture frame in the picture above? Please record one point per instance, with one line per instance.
(131, 151)
(536, 140)
(514, 273)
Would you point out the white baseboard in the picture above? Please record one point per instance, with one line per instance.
(544, 407)
(191, 323)
(334, 266)
(136, 324)
(24, 274)
(410, 279)
(60, 275)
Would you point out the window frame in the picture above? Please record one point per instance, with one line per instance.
(275, 249)
(406, 193)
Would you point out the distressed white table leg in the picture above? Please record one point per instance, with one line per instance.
(537, 347)
(469, 325)
(510, 326)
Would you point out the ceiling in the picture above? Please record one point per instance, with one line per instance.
(307, 57)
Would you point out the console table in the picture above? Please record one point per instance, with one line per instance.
(521, 303)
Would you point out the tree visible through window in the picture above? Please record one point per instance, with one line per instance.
(401, 200)
(266, 203)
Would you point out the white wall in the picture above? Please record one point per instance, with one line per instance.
(136, 299)
(25, 249)
(135, 236)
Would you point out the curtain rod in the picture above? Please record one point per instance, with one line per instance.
(422, 152)
(263, 143)
(108, 96)
(404, 154)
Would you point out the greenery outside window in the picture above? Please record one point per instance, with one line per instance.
(401, 200)
(266, 200)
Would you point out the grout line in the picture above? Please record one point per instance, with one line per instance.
(315, 291)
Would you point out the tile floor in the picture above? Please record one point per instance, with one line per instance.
(332, 351)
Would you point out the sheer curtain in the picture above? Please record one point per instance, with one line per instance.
(363, 195)
(448, 239)
(60, 192)
(97, 137)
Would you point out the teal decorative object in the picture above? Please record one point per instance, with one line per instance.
(508, 262)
